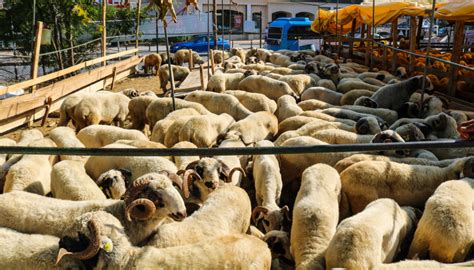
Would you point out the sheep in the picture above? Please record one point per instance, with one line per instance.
(164, 57)
(69, 181)
(32, 251)
(101, 108)
(347, 162)
(346, 85)
(96, 136)
(66, 110)
(160, 130)
(314, 104)
(161, 107)
(219, 103)
(142, 144)
(424, 264)
(179, 74)
(279, 244)
(328, 84)
(170, 131)
(253, 101)
(409, 185)
(220, 82)
(130, 93)
(140, 213)
(237, 162)
(392, 96)
(138, 166)
(220, 56)
(234, 251)
(374, 81)
(351, 96)
(293, 123)
(298, 83)
(5, 142)
(339, 136)
(182, 56)
(204, 130)
(152, 60)
(350, 114)
(440, 125)
(183, 161)
(204, 176)
(287, 107)
(268, 186)
(137, 111)
(33, 172)
(388, 116)
(446, 229)
(211, 220)
(371, 237)
(114, 183)
(263, 54)
(322, 94)
(280, 60)
(315, 224)
(241, 53)
(256, 127)
(66, 137)
(271, 88)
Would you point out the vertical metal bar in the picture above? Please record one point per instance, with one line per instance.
(222, 28)
(261, 30)
(214, 7)
(208, 40)
(156, 33)
(428, 49)
(373, 36)
(104, 31)
(137, 27)
(170, 69)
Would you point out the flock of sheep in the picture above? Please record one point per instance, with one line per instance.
(385, 210)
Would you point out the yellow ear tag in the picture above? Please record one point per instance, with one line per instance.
(107, 245)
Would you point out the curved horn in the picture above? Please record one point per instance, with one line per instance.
(187, 184)
(174, 178)
(91, 250)
(257, 211)
(225, 170)
(131, 210)
(192, 165)
(135, 188)
(239, 169)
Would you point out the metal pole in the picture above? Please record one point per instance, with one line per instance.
(156, 33)
(222, 28)
(261, 30)
(170, 69)
(214, 7)
(208, 40)
(373, 35)
(104, 31)
(137, 27)
(428, 48)
(33, 30)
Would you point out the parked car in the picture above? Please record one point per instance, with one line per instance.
(199, 44)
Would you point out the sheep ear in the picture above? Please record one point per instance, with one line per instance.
(125, 172)
(286, 212)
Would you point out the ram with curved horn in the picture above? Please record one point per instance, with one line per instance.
(149, 200)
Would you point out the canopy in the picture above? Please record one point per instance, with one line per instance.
(385, 13)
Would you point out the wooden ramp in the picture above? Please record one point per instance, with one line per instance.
(193, 81)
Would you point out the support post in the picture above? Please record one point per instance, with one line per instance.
(190, 60)
(411, 66)
(104, 31)
(457, 48)
(351, 42)
(418, 31)
(114, 74)
(137, 27)
(384, 59)
(170, 69)
(261, 30)
(368, 51)
(214, 28)
(363, 29)
(156, 33)
(213, 64)
(201, 76)
(394, 43)
(48, 103)
(36, 52)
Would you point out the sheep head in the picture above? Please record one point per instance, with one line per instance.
(89, 234)
(468, 169)
(410, 132)
(114, 183)
(366, 102)
(444, 124)
(369, 125)
(271, 219)
(279, 244)
(153, 195)
(390, 136)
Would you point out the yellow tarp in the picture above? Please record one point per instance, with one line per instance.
(385, 13)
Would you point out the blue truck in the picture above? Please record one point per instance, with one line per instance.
(292, 34)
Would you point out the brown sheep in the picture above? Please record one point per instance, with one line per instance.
(152, 60)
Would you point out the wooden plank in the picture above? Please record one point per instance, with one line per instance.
(190, 60)
(22, 119)
(412, 43)
(63, 72)
(137, 29)
(457, 48)
(18, 105)
(368, 50)
(418, 31)
(201, 76)
(351, 42)
(394, 43)
(192, 81)
(104, 32)
(36, 51)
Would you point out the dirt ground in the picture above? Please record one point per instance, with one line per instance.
(141, 83)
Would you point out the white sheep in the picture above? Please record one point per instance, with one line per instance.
(204, 130)
(314, 104)
(28, 251)
(237, 162)
(179, 74)
(348, 84)
(322, 94)
(183, 161)
(33, 172)
(253, 101)
(66, 110)
(219, 103)
(256, 127)
(234, 251)
(96, 136)
(371, 237)
(328, 84)
(409, 185)
(339, 136)
(211, 220)
(268, 186)
(280, 60)
(287, 107)
(139, 213)
(137, 111)
(293, 123)
(314, 224)
(220, 82)
(114, 183)
(298, 83)
(101, 108)
(446, 229)
(69, 181)
(271, 88)
(161, 107)
(66, 137)
(171, 131)
(327, 117)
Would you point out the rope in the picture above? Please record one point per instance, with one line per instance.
(329, 148)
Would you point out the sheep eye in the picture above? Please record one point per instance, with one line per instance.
(199, 171)
(160, 205)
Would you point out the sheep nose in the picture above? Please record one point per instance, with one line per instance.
(210, 185)
(178, 216)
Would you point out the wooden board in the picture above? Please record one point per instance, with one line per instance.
(192, 82)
